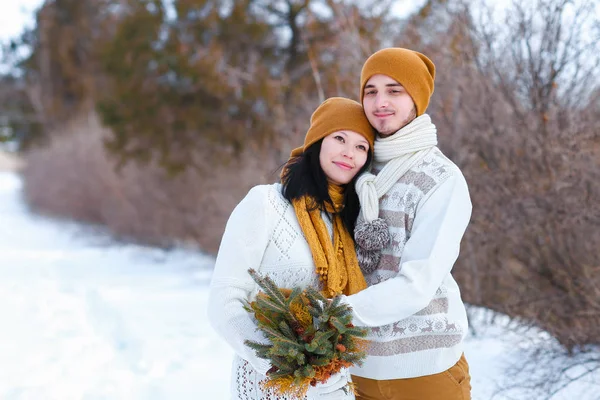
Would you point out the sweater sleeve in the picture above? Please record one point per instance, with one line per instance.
(428, 257)
(242, 247)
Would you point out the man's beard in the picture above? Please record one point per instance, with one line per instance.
(407, 120)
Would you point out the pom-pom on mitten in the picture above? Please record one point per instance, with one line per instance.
(374, 235)
(368, 260)
(371, 238)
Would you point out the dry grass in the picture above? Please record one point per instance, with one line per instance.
(74, 177)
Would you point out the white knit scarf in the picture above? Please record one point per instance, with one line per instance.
(401, 151)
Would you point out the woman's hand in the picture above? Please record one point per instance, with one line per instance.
(336, 388)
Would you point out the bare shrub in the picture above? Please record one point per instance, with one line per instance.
(516, 107)
(532, 167)
(75, 178)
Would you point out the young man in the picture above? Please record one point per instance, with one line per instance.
(415, 210)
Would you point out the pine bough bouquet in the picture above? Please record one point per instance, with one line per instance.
(311, 337)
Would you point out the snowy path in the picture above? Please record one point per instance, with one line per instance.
(83, 317)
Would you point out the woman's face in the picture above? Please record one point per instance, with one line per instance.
(343, 154)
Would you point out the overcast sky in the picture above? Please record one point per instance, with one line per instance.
(15, 15)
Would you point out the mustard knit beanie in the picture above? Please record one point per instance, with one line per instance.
(336, 114)
(411, 69)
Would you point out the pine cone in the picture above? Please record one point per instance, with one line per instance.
(341, 347)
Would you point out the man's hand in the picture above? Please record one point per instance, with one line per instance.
(336, 388)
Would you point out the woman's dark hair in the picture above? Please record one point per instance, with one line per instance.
(304, 176)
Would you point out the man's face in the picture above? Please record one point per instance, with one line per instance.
(387, 104)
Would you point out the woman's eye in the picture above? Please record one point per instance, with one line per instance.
(339, 138)
(362, 147)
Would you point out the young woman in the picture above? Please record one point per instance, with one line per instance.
(296, 232)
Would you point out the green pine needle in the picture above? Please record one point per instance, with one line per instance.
(297, 348)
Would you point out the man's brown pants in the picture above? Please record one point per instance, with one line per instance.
(452, 384)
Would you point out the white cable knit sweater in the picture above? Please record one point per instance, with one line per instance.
(262, 233)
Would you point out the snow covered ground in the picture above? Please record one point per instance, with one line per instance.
(85, 317)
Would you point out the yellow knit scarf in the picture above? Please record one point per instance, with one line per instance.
(335, 262)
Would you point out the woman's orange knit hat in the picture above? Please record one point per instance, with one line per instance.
(411, 69)
(336, 114)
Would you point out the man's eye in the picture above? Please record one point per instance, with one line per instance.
(368, 92)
